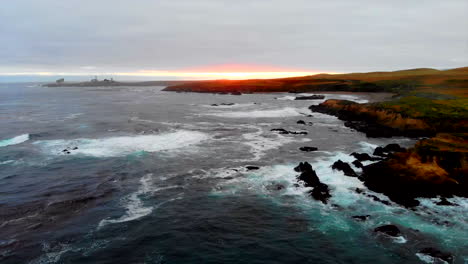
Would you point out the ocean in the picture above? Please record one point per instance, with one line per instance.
(138, 175)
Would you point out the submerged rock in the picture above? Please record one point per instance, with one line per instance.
(435, 253)
(444, 202)
(361, 217)
(286, 132)
(345, 168)
(311, 97)
(308, 149)
(252, 167)
(390, 230)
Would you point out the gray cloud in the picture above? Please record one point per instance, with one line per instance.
(124, 35)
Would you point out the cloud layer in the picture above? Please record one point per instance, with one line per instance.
(127, 36)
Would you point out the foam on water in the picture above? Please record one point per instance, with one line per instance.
(122, 146)
(260, 144)
(134, 205)
(273, 113)
(14, 141)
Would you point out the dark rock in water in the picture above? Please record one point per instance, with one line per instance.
(379, 151)
(358, 164)
(311, 97)
(385, 151)
(361, 217)
(364, 157)
(252, 167)
(393, 148)
(308, 149)
(236, 93)
(435, 253)
(345, 168)
(445, 202)
(225, 104)
(321, 191)
(286, 132)
(308, 175)
(75, 148)
(359, 190)
(301, 122)
(390, 230)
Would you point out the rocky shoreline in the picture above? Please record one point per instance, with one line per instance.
(435, 167)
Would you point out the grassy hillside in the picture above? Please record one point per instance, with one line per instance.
(454, 82)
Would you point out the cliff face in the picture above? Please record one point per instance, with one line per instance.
(434, 167)
(374, 121)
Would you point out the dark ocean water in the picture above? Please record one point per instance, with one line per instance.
(137, 175)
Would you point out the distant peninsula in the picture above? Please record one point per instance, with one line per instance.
(395, 82)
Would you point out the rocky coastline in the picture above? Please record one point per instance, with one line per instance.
(437, 166)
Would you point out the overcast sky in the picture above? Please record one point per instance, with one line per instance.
(329, 36)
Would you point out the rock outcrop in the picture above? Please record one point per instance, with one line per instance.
(345, 168)
(434, 167)
(320, 190)
(374, 121)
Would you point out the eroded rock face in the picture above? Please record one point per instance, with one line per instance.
(320, 190)
(345, 168)
(373, 121)
(434, 167)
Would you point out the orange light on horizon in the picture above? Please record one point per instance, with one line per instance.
(216, 72)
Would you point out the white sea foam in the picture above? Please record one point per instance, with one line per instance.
(429, 259)
(288, 97)
(14, 141)
(134, 205)
(260, 144)
(272, 113)
(121, 146)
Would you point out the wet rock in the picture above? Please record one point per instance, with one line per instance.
(252, 167)
(320, 190)
(275, 187)
(223, 104)
(385, 151)
(345, 168)
(358, 164)
(75, 148)
(364, 157)
(236, 93)
(308, 175)
(435, 253)
(393, 148)
(361, 217)
(308, 149)
(301, 122)
(379, 151)
(444, 202)
(286, 132)
(311, 97)
(321, 193)
(390, 230)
